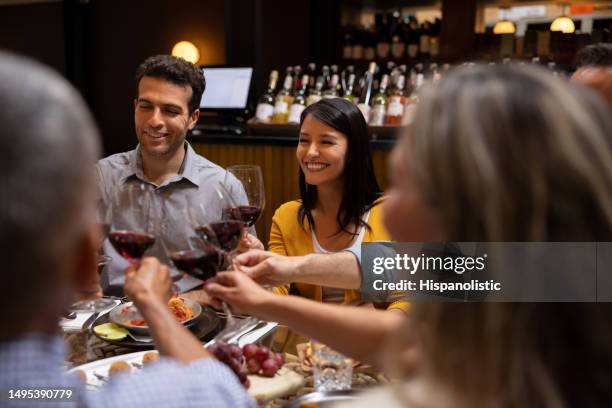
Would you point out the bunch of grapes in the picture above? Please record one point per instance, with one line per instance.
(259, 360)
(231, 356)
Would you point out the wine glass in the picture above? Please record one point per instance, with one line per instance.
(251, 178)
(191, 254)
(224, 235)
(133, 227)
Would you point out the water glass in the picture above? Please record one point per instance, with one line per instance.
(332, 370)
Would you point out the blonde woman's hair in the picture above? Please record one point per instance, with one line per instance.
(514, 154)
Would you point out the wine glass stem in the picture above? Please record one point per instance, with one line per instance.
(228, 314)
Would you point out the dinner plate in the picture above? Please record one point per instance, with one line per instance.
(123, 313)
(204, 327)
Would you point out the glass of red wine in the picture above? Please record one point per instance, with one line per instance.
(133, 227)
(251, 178)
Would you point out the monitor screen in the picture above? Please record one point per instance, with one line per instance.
(226, 88)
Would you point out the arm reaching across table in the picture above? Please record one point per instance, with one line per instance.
(357, 332)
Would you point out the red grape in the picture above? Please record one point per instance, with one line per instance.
(269, 367)
(249, 350)
(262, 353)
(279, 358)
(236, 351)
(253, 365)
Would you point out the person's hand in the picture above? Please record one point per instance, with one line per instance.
(199, 296)
(248, 242)
(267, 268)
(150, 282)
(238, 290)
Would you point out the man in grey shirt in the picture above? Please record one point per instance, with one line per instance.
(165, 109)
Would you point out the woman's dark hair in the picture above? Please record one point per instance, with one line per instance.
(175, 70)
(360, 188)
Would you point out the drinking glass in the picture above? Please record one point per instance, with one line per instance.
(134, 226)
(331, 370)
(251, 178)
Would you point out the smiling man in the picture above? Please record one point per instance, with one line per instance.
(168, 96)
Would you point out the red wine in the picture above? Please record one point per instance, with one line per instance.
(225, 234)
(201, 264)
(131, 244)
(249, 214)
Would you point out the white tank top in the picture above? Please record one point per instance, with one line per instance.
(336, 295)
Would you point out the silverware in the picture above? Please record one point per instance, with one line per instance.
(254, 329)
(139, 338)
(90, 321)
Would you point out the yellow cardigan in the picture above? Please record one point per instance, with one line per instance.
(288, 237)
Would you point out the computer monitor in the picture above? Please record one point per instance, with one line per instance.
(226, 88)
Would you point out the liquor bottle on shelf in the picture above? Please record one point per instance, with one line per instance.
(413, 99)
(366, 91)
(398, 44)
(347, 46)
(311, 71)
(299, 102)
(283, 101)
(297, 72)
(358, 48)
(332, 89)
(413, 40)
(369, 40)
(434, 40)
(383, 42)
(379, 104)
(315, 94)
(265, 106)
(424, 40)
(348, 91)
(396, 101)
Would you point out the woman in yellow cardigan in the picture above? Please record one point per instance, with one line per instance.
(340, 197)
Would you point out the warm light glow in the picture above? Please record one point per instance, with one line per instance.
(186, 51)
(563, 24)
(504, 27)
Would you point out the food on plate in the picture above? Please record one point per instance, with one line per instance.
(119, 367)
(150, 357)
(251, 359)
(176, 305)
(81, 375)
(180, 309)
(110, 331)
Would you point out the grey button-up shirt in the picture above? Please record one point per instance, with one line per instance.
(195, 184)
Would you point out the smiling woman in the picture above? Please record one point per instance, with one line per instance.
(340, 201)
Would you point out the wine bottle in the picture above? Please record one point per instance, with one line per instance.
(366, 91)
(383, 42)
(398, 42)
(283, 101)
(396, 101)
(299, 102)
(332, 89)
(424, 40)
(348, 91)
(265, 106)
(379, 103)
(315, 94)
(413, 39)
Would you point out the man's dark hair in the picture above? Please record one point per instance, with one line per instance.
(596, 54)
(175, 70)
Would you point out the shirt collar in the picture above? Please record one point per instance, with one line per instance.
(188, 169)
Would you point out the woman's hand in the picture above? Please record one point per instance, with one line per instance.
(239, 291)
(248, 242)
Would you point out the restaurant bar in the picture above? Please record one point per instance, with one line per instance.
(313, 203)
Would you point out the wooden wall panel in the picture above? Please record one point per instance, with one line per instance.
(280, 172)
